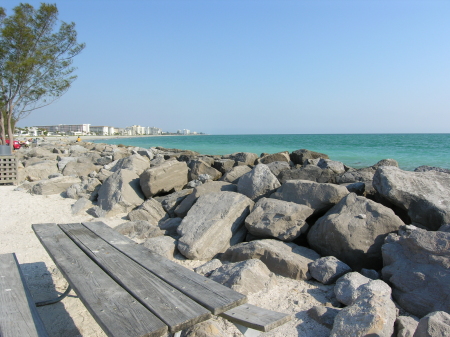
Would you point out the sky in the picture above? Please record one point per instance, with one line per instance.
(258, 66)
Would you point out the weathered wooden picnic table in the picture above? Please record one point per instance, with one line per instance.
(131, 291)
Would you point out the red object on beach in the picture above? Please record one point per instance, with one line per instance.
(16, 144)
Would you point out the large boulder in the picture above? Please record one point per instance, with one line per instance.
(151, 210)
(372, 314)
(223, 165)
(319, 197)
(417, 266)
(346, 287)
(425, 195)
(283, 220)
(309, 172)
(88, 188)
(270, 158)
(244, 158)
(299, 156)
(258, 183)
(199, 167)
(38, 170)
(353, 231)
(162, 245)
(213, 224)
(135, 162)
(283, 258)
(171, 201)
(120, 193)
(75, 168)
(139, 230)
(235, 174)
(436, 324)
(204, 189)
(54, 186)
(246, 277)
(170, 176)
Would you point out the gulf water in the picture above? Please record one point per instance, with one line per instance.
(355, 150)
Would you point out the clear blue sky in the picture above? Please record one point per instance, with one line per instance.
(243, 67)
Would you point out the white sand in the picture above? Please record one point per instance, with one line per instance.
(69, 318)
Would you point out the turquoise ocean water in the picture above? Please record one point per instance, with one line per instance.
(355, 150)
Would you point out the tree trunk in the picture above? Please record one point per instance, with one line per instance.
(10, 132)
(2, 128)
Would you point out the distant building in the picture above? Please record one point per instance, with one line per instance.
(74, 129)
(136, 130)
(103, 130)
(186, 132)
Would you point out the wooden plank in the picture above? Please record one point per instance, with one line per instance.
(18, 314)
(115, 310)
(255, 317)
(212, 295)
(171, 306)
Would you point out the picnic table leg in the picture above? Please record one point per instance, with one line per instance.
(55, 300)
(247, 332)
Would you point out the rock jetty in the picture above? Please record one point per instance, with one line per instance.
(379, 235)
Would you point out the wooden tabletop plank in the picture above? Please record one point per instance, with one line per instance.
(18, 314)
(212, 295)
(117, 312)
(171, 306)
(255, 317)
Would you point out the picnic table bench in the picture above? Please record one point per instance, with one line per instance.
(18, 313)
(131, 291)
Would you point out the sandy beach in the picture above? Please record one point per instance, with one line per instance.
(69, 318)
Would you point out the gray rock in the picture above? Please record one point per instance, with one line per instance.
(215, 222)
(323, 315)
(235, 174)
(139, 230)
(97, 212)
(162, 245)
(354, 231)
(425, 195)
(77, 149)
(223, 165)
(151, 211)
(435, 324)
(358, 188)
(417, 266)
(246, 277)
(103, 174)
(445, 228)
(204, 189)
(135, 162)
(64, 160)
(272, 218)
(352, 176)
(328, 269)
(270, 158)
(371, 314)
(335, 166)
(88, 189)
(299, 156)
(405, 326)
(171, 201)
(54, 186)
(38, 170)
(283, 258)
(170, 226)
(277, 167)
(199, 167)
(170, 176)
(310, 172)
(244, 158)
(426, 168)
(319, 197)
(120, 193)
(207, 268)
(80, 206)
(258, 183)
(74, 168)
(346, 286)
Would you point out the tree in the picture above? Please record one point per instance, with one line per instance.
(35, 62)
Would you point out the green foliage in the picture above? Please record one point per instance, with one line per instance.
(36, 59)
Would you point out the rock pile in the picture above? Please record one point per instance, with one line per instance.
(380, 234)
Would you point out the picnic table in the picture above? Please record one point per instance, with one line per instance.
(131, 291)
